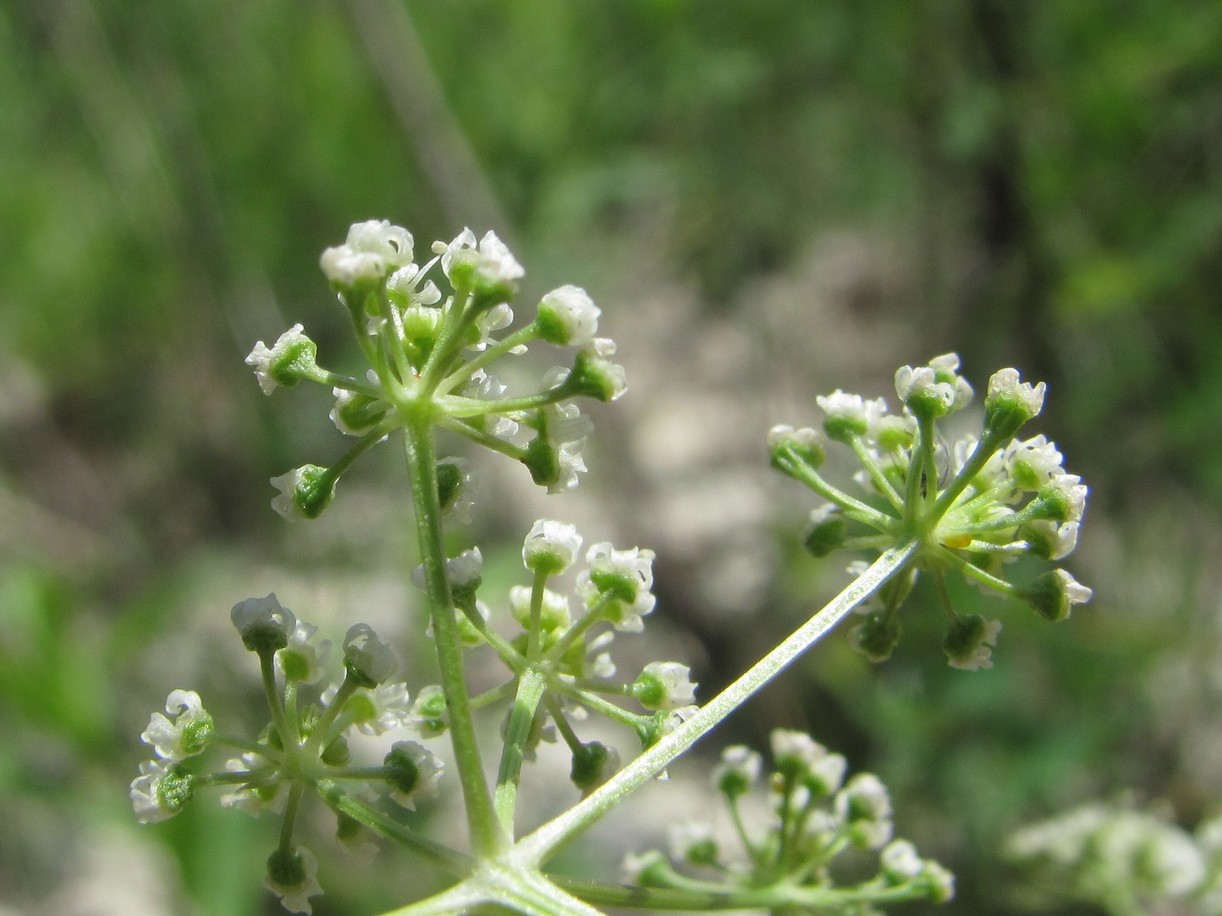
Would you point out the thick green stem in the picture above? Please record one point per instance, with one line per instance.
(537, 847)
(486, 834)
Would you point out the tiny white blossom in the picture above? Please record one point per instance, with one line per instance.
(408, 283)
(490, 260)
(392, 243)
(637, 865)
(495, 319)
(304, 659)
(864, 806)
(252, 798)
(900, 862)
(568, 316)
(263, 358)
(366, 656)
(1006, 383)
(1075, 591)
(266, 616)
(738, 771)
(665, 685)
(551, 545)
(295, 896)
(922, 382)
(148, 802)
(186, 733)
(1073, 491)
(553, 614)
(346, 267)
(416, 773)
(621, 579)
(693, 842)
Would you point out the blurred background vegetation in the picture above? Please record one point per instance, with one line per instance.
(769, 200)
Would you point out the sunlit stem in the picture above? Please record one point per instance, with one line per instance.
(486, 834)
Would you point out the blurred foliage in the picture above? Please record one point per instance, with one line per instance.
(1041, 182)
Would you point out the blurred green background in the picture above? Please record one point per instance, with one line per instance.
(769, 200)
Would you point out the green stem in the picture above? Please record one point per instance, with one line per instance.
(517, 734)
(486, 834)
(492, 353)
(538, 846)
(289, 739)
(439, 855)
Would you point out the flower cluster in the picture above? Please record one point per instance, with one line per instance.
(974, 505)
(1123, 860)
(429, 356)
(566, 652)
(816, 815)
(304, 748)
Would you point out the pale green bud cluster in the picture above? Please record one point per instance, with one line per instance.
(788, 864)
(973, 505)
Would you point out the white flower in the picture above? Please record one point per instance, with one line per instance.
(302, 493)
(367, 658)
(392, 243)
(264, 622)
(490, 261)
(970, 644)
(414, 773)
(664, 685)
(304, 659)
(186, 734)
(900, 862)
(1031, 463)
(806, 760)
(1072, 492)
(738, 771)
(487, 323)
(921, 384)
(347, 268)
(849, 415)
(294, 879)
(637, 866)
(568, 316)
(692, 841)
(864, 807)
(160, 791)
(550, 546)
(1005, 383)
(253, 798)
(620, 581)
(409, 285)
(265, 360)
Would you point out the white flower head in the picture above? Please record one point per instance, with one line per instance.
(489, 263)
(1069, 494)
(304, 492)
(415, 773)
(637, 867)
(619, 581)
(304, 659)
(550, 546)
(849, 416)
(160, 791)
(568, 316)
(254, 797)
(969, 644)
(920, 389)
(347, 268)
(664, 685)
(284, 361)
(1010, 402)
(900, 862)
(293, 877)
(368, 659)
(377, 236)
(738, 771)
(187, 731)
(263, 623)
(692, 842)
(408, 286)
(806, 761)
(864, 807)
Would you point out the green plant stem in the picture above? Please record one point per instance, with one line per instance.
(517, 734)
(487, 836)
(538, 846)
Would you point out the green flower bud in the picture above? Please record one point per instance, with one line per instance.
(1010, 403)
(787, 445)
(594, 375)
(1055, 593)
(877, 636)
(593, 764)
(304, 491)
(825, 532)
(286, 362)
